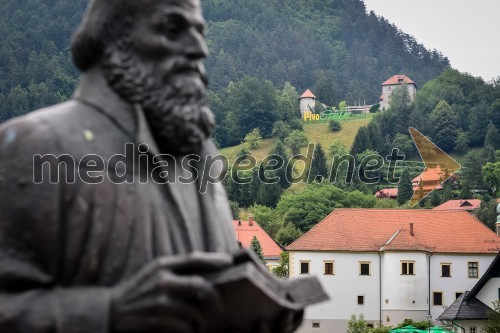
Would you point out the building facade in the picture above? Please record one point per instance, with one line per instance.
(390, 265)
(392, 83)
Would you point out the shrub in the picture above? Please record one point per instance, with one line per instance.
(334, 125)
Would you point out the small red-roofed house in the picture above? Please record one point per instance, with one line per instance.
(392, 83)
(390, 264)
(246, 230)
(389, 193)
(461, 204)
(429, 180)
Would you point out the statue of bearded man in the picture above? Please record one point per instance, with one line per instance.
(95, 240)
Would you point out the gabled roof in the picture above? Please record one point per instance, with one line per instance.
(361, 230)
(463, 309)
(245, 231)
(462, 204)
(398, 79)
(387, 192)
(404, 241)
(492, 272)
(430, 174)
(307, 94)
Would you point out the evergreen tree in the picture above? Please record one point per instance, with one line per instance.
(461, 142)
(255, 247)
(268, 194)
(405, 188)
(478, 121)
(283, 173)
(435, 199)
(318, 169)
(492, 136)
(361, 142)
(444, 123)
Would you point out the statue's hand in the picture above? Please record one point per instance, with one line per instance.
(168, 295)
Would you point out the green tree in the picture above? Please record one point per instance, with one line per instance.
(487, 214)
(493, 323)
(253, 139)
(281, 130)
(491, 175)
(287, 234)
(295, 141)
(343, 105)
(404, 143)
(334, 125)
(267, 219)
(478, 121)
(435, 199)
(470, 174)
(283, 173)
(268, 194)
(318, 169)
(461, 142)
(282, 269)
(357, 324)
(444, 123)
(235, 209)
(405, 188)
(492, 136)
(255, 247)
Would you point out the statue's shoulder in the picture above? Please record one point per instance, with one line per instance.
(47, 129)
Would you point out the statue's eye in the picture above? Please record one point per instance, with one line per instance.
(173, 25)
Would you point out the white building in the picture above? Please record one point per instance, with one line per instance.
(391, 265)
(392, 83)
(307, 102)
(469, 312)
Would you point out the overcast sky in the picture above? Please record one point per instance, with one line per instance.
(466, 31)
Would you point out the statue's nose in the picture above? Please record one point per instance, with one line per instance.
(196, 48)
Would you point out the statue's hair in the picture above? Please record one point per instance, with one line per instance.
(104, 21)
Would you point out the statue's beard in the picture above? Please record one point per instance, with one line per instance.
(172, 94)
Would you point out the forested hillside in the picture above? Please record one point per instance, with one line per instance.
(331, 46)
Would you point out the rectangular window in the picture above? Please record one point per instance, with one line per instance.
(472, 329)
(316, 325)
(407, 267)
(445, 270)
(437, 298)
(364, 268)
(473, 269)
(304, 267)
(458, 294)
(361, 300)
(328, 268)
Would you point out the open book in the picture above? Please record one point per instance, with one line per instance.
(251, 294)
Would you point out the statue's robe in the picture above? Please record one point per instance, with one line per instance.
(64, 245)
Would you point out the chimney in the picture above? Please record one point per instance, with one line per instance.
(411, 229)
(250, 220)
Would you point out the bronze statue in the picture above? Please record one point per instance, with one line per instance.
(82, 252)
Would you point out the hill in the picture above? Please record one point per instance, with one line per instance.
(316, 132)
(331, 46)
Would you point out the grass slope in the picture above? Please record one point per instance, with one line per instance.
(316, 132)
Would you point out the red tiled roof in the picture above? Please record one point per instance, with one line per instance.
(245, 233)
(398, 79)
(360, 230)
(307, 94)
(430, 174)
(468, 204)
(387, 193)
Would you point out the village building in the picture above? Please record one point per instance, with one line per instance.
(395, 82)
(387, 193)
(307, 102)
(429, 180)
(391, 265)
(460, 204)
(246, 230)
(469, 313)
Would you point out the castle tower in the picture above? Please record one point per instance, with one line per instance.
(307, 102)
